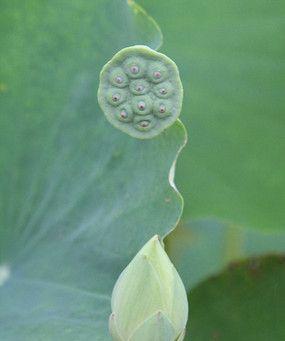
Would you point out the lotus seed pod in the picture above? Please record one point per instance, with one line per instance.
(138, 77)
(149, 301)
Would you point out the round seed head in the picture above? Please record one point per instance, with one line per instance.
(140, 91)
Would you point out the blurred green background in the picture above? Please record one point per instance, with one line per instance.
(231, 56)
(79, 198)
(231, 60)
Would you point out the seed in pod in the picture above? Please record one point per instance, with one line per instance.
(144, 123)
(135, 67)
(118, 78)
(125, 113)
(142, 105)
(116, 96)
(162, 108)
(157, 72)
(163, 90)
(139, 86)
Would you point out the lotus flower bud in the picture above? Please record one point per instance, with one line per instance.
(149, 301)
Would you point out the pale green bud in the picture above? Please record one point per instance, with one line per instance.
(149, 301)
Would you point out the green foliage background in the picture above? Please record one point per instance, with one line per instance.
(79, 198)
(231, 59)
(232, 172)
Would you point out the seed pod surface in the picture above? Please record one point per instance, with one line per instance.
(140, 79)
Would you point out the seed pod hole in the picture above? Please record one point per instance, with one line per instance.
(116, 97)
(162, 108)
(140, 88)
(141, 105)
(118, 79)
(157, 74)
(134, 69)
(144, 123)
(123, 114)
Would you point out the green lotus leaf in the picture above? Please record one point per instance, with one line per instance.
(75, 192)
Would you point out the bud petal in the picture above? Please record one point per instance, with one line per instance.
(156, 328)
(181, 336)
(149, 298)
(113, 329)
